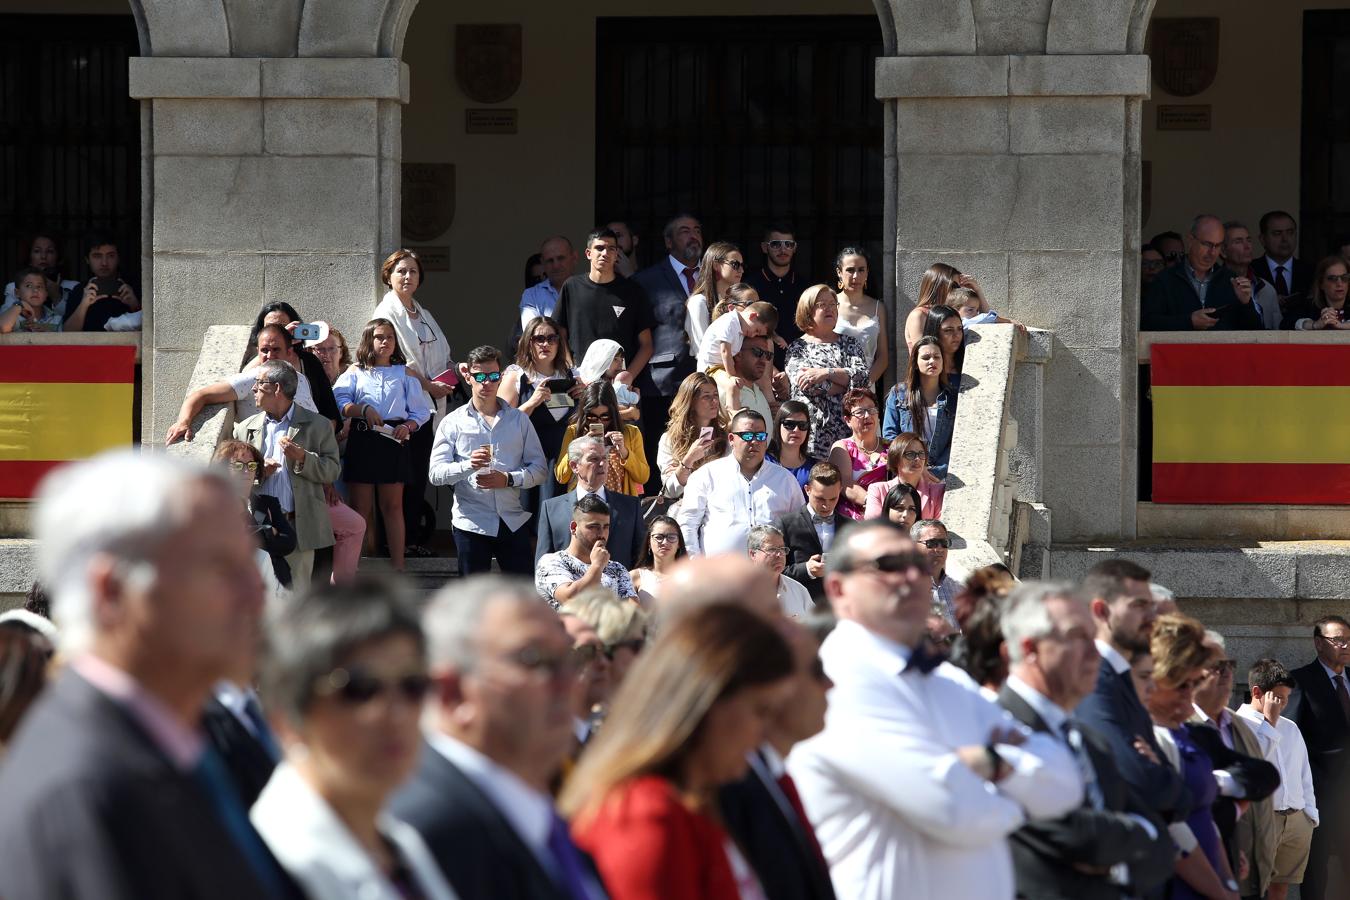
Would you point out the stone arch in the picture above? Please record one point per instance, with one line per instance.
(1098, 26)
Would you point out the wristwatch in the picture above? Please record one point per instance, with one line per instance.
(510, 479)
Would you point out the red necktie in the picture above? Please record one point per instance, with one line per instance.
(688, 280)
(790, 791)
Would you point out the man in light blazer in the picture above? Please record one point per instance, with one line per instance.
(809, 531)
(626, 531)
(300, 456)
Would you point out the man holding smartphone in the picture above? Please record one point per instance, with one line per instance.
(106, 295)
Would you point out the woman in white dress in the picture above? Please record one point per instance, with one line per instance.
(861, 317)
(722, 266)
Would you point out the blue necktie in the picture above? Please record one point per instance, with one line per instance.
(210, 774)
(568, 871)
(923, 660)
(261, 730)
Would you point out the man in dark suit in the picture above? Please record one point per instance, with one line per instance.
(1279, 238)
(1198, 294)
(668, 284)
(1321, 708)
(233, 724)
(108, 791)
(809, 531)
(503, 724)
(1112, 845)
(763, 811)
(590, 467)
(1121, 603)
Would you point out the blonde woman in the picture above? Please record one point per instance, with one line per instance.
(697, 433)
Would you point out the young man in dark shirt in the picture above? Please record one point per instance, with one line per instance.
(777, 283)
(601, 304)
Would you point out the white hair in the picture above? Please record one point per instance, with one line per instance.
(121, 504)
(579, 445)
(1026, 616)
(452, 618)
(1162, 594)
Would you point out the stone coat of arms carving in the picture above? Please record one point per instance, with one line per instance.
(1185, 54)
(488, 61)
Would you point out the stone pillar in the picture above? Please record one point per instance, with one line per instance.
(272, 152)
(1014, 156)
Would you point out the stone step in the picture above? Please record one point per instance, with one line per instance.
(425, 574)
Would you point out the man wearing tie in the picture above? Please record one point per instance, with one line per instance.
(590, 466)
(917, 780)
(1111, 846)
(1320, 706)
(810, 531)
(1279, 238)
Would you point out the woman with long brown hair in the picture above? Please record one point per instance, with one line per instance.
(907, 463)
(936, 282)
(643, 798)
(597, 413)
(541, 357)
(924, 404)
(697, 433)
(722, 266)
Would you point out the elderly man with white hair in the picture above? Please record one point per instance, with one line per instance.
(109, 790)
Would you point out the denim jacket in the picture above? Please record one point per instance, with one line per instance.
(899, 420)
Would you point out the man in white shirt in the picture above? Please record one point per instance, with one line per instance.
(917, 780)
(500, 725)
(767, 549)
(1282, 745)
(559, 259)
(931, 535)
(724, 499)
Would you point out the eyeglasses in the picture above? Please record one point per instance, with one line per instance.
(914, 455)
(1339, 643)
(893, 563)
(666, 538)
(540, 665)
(321, 350)
(772, 551)
(597, 417)
(1223, 666)
(1173, 255)
(544, 338)
(1337, 279)
(240, 466)
(634, 646)
(783, 245)
(796, 425)
(760, 354)
(1210, 246)
(262, 386)
(357, 687)
(480, 377)
(422, 334)
(937, 543)
(752, 436)
(735, 264)
(863, 412)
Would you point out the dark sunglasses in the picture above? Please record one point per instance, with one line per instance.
(736, 265)
(893, 563)
(544, 338)
(937, 543)
(782, 245)
(481, 377)
(760, 354)
(597, 417)
(635, 646)
(749, 436)
(796, 425)
(357, 687)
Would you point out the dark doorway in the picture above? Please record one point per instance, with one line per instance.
(70, 136)
(744, 122)
(1326, 133)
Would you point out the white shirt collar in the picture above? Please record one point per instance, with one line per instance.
(1051, 713)
(529, 811)
(600, 492)
(679, 268)
(1258, 723)
(775, 763)
(889, 655)
(1332, 673)
(1119, 664)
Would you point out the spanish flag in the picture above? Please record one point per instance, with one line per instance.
(59, 403)
(1251, 423)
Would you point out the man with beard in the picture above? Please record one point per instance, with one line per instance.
(668, 284)
(776, 282)
(1123, 611)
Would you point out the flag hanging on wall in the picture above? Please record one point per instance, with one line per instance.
(59, 403)
(1251, 423)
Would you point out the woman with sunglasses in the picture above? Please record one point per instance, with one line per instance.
(597, 413)
(861, 457)
(722, 266)
(791, 439)
(925, 404)
(1180, 658)
(696, 433)
(907, 462)
(344, 681)
(643, 799)
(541, 357)
(621, 627)
(1324, 306)
(664, 547)
(275, 533)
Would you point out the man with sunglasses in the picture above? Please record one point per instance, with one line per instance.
(725, 498)
(931, 535)
(917, 780)
(489, 451)
(1321, 708)
(777, 283)
(751, 362)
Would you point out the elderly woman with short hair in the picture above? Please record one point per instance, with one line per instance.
(822, 365)
(344, 681)
(621, 626)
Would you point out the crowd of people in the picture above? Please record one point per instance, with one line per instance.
(170, 728)
(43, 296)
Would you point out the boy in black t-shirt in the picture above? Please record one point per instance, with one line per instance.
(601, 304)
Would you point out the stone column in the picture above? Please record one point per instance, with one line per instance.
(272, 153)
(1015, 157)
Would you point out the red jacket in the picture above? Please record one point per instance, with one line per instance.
(649, 846)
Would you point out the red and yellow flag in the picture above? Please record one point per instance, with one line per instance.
(1251, 423)
(59, 403)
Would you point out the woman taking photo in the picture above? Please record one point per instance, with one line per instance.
(428, 355)
(907, 462)
(597, 413)
(344, 681)
(861, 317)
(822, 365)
(643, 798)
(541, 356)
(924, 404)
(790, 440)
(665, 545)
(861, 457)
(389, 408)
(1324, 306)
(697, 433)
(722, 266)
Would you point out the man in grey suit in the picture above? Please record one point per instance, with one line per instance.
(590, 465)
(300, 456)
(109, 790)
(1111, 846)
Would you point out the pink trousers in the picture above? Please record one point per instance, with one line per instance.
(348, 530)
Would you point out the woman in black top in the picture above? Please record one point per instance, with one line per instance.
(541, 356)
(275, 533)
